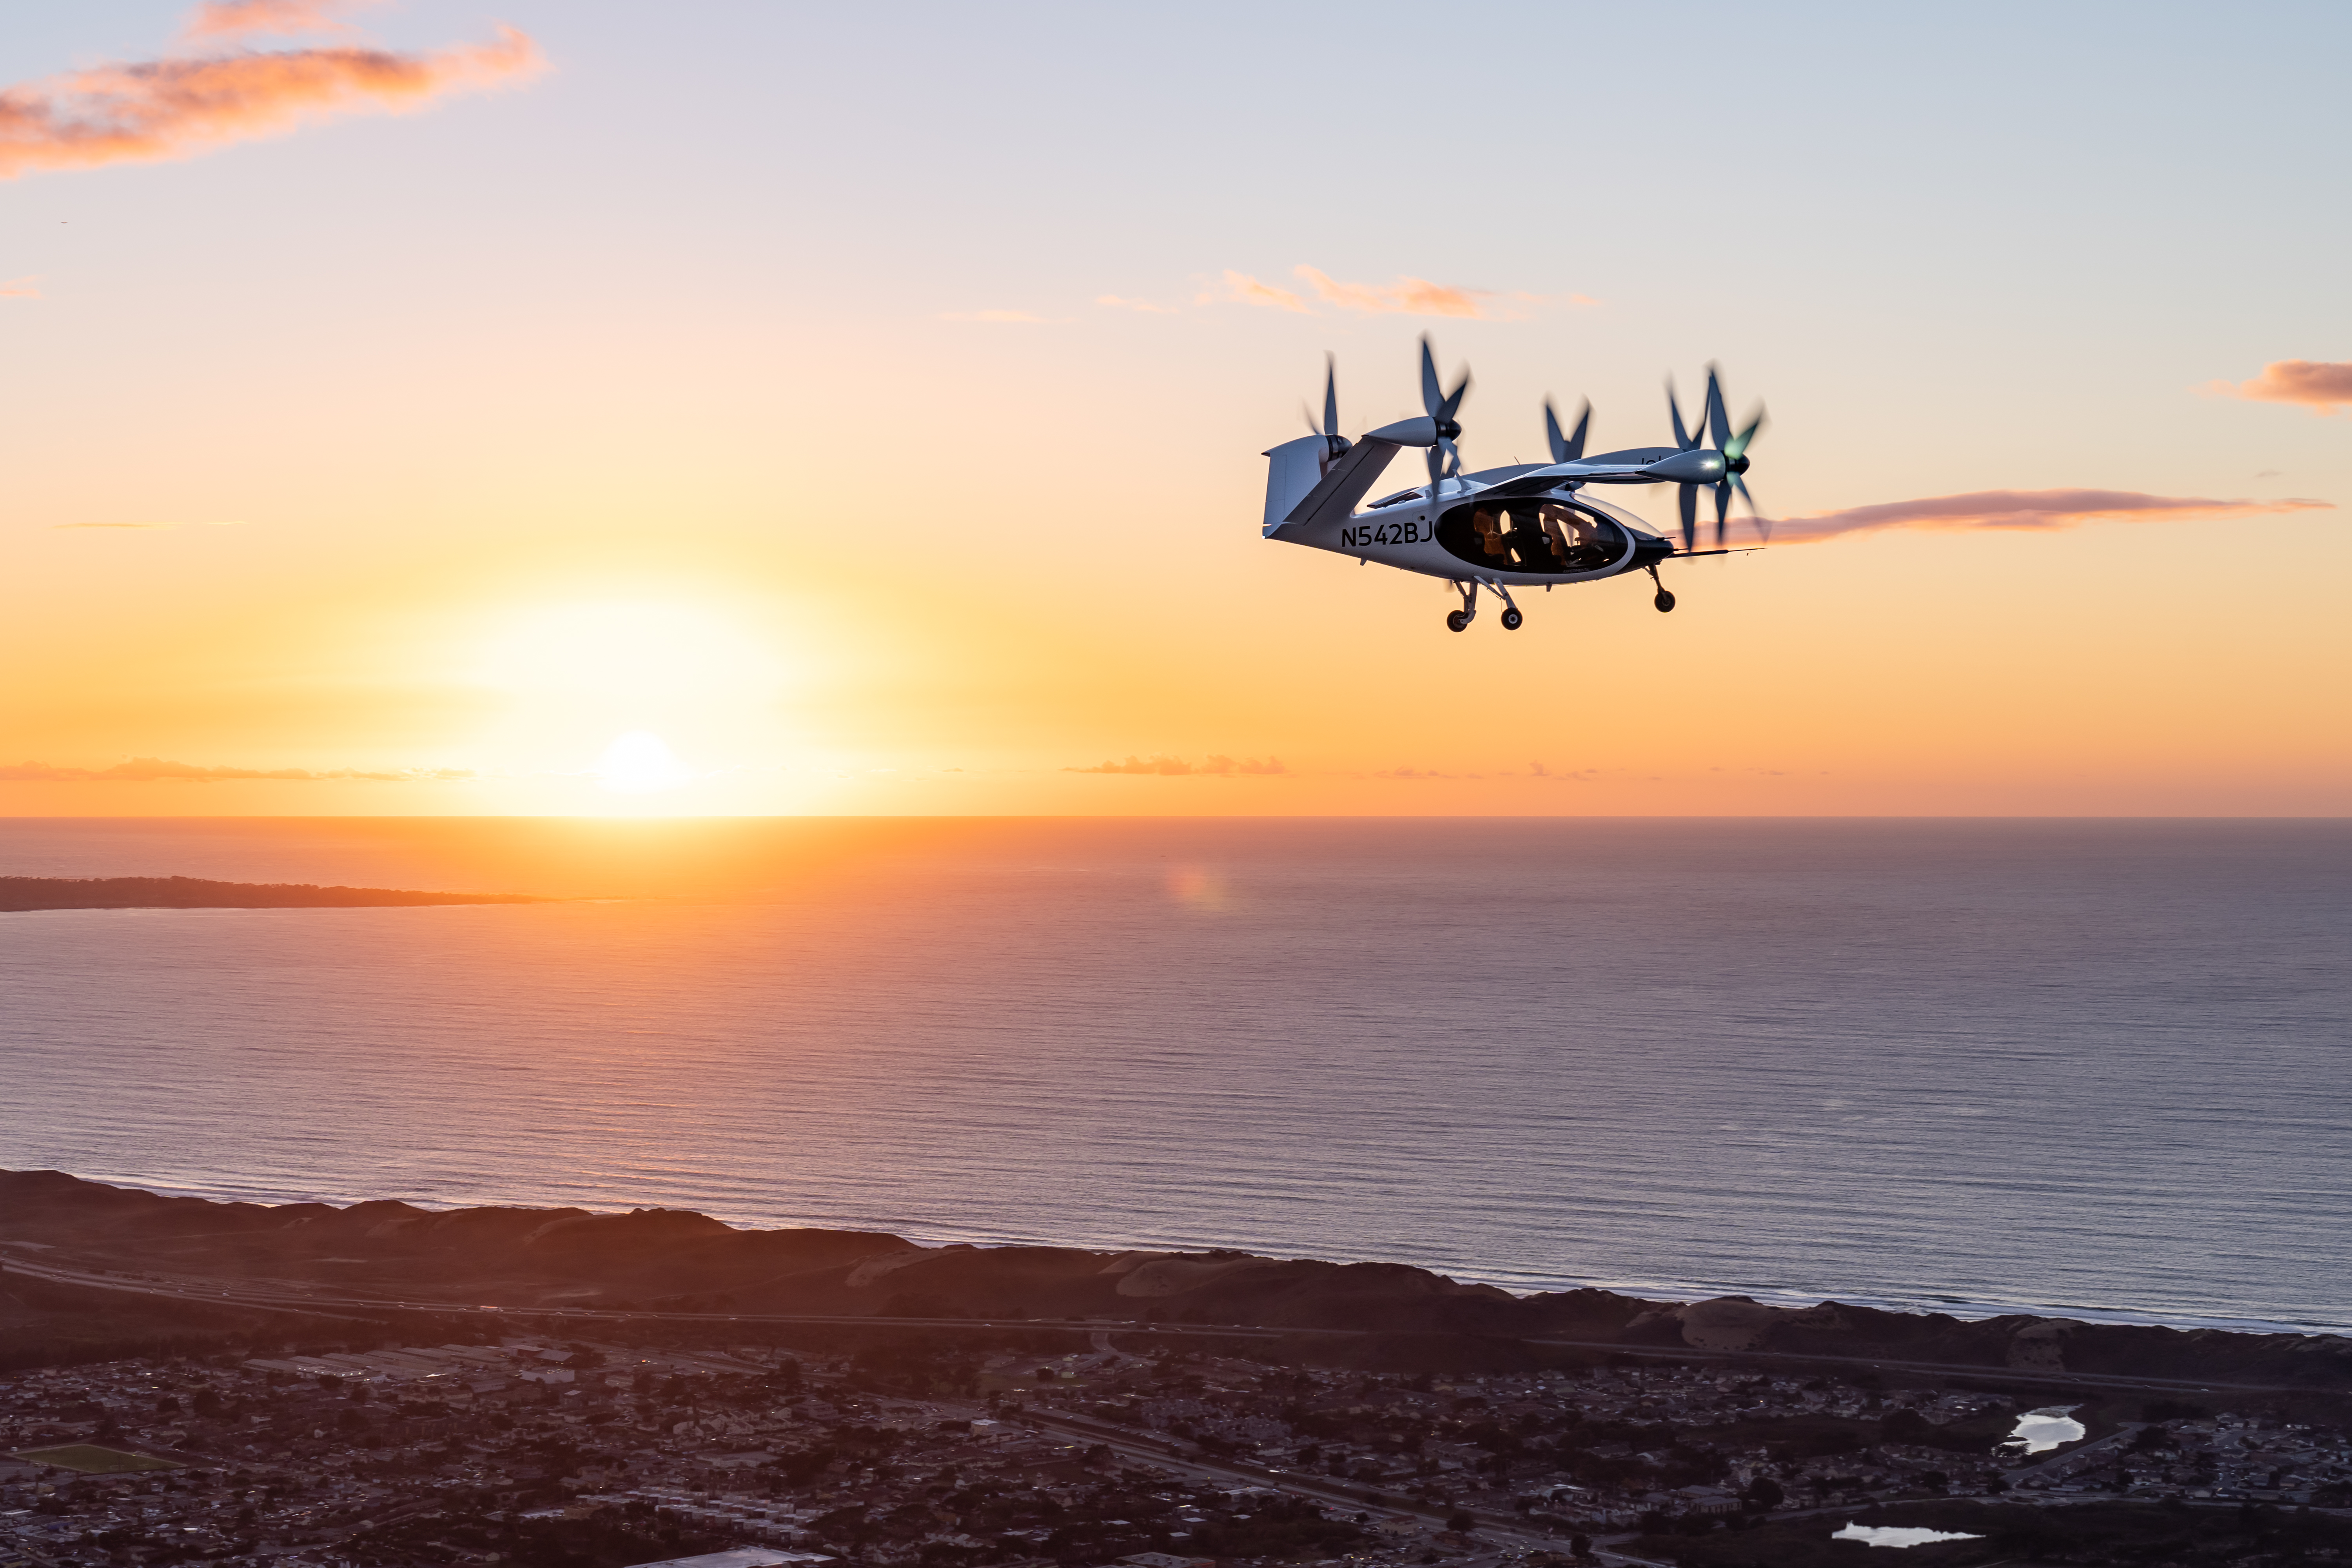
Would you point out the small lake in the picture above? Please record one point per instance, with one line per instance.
(2038, 1430)
(1898, 1535)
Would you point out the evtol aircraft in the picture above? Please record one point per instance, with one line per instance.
(1499, 529)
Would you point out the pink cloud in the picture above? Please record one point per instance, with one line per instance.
(1241, 288)
(228, 19)
(2025, 508)
(1162, 766)
(21, 288)
(2316, 385)
(170, 109)
(1405, 297)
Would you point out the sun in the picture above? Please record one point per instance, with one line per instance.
(638, 763)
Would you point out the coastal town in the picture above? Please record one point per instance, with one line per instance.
(918, 1450)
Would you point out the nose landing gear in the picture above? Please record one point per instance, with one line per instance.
(1665, 601)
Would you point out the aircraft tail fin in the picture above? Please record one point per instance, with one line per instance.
(1293, 469)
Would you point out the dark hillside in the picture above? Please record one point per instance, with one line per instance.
(314, 1257)
(20, 894)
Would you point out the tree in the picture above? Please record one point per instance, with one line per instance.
(1461, 1523)
(1905, 1426)
(1764, 1493)
(1582, 1545)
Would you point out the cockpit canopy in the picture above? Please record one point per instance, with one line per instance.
(1553, 538)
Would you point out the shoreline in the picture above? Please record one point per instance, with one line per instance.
(1518, 1283)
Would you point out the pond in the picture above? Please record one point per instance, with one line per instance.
(2038, 1430)
(1898, 1535)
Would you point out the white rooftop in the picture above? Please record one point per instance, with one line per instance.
(741, 1557)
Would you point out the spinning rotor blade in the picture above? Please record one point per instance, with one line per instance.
(1716, 418)
(1734, 445)
(1566, 448)
(1453, 399)
(1684, 440)
(1688, 497)
(1436, 402)
(1444, 457)
(1737, 445)
(1335, 446)
(1755, 513)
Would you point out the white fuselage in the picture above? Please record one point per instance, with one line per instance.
(1406, 532)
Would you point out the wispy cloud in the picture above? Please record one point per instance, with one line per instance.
(2026, 509)
(2317, 384)
(156, 770)
(21, 288)
(1405, 297)
(1160, 767)
(144, 111)
(1241, 288)
(225, 20)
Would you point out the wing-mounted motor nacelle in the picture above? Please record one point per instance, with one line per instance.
(1324, 475)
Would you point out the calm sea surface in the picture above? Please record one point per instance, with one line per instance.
(2099, 1068)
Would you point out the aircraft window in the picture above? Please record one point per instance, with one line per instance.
(1391, 500)
(1531, 536)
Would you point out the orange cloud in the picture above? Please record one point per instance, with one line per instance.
(153, 770)
(242, 18)
(21, 288)
(1241, 288)
(1160, 767)
(2316, 385)
(2024, 509)
(1405, 297)
(171, 109)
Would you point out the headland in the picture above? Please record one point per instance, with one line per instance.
(20, 895)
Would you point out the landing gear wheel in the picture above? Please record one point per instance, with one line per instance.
(1511, 619)
(1457, 619)
(1665, 601)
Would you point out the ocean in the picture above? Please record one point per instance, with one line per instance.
(2101, 1069)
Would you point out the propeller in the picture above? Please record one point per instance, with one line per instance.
(1685, 496)
(1444, 457)
(1335, 445)
(1567, 448)
(1733, 444)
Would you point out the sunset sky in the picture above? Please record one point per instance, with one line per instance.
(568, 407)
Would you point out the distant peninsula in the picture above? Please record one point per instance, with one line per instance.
(21, 894)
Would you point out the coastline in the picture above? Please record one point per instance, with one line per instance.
(1518, 1284)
